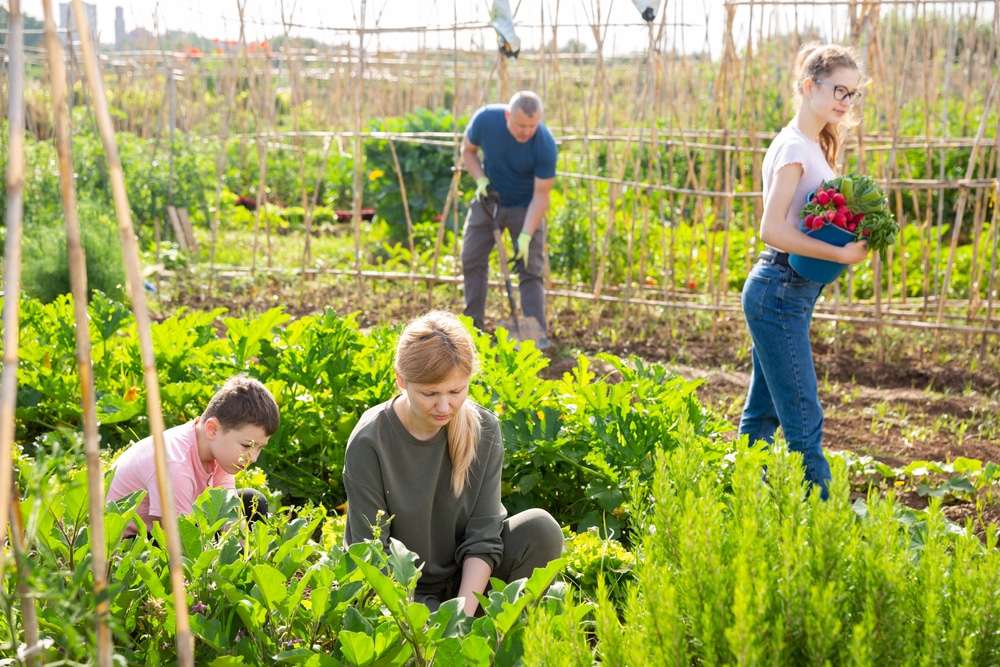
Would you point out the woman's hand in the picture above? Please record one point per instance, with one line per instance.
(854, 252)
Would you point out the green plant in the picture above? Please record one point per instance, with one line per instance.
(426, 169)
(46, 263)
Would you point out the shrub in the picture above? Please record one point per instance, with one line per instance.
(46, 263)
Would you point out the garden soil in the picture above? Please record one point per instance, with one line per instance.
(920, 406)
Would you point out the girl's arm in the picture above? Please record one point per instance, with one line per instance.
(775, 230)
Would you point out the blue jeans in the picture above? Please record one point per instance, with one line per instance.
(778, 307)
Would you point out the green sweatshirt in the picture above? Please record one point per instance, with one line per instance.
(386, 468)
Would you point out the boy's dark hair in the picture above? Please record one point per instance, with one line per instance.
(243, 400)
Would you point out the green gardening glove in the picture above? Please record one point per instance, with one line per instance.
(482, 183)
(523, 241)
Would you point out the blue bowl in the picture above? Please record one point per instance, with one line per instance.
(821, 270)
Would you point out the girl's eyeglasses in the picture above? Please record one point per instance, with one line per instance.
(842, 93)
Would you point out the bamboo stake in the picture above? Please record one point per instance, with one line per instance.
(78, 282)
(995, 235)
(963, 196)
(185, 641)
(220, 168)
(12, 260)
(359, 155)
(406, 211)
(296, 101)
(31, 648)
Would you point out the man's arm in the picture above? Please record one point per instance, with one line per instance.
(470, 159)
(538, 206)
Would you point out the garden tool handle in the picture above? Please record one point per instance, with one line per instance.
(502, 251)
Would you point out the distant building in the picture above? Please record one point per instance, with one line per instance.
(119, 24)
(67, 21)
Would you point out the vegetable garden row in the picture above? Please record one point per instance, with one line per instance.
(682, 547)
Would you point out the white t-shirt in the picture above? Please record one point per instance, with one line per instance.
(793, 147)
(135, 469)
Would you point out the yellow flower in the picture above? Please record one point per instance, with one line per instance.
(375, 174)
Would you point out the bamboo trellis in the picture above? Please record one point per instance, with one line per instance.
(682, 110)
(657, 119)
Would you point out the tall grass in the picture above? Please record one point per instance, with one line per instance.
(761, 571)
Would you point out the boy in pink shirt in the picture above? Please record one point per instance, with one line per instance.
(205, 452)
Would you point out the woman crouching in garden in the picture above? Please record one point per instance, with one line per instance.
(430, 461)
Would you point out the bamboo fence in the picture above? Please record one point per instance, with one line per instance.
(690, 126)
(686, 126)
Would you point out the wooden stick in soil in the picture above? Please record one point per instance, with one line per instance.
(29, 615)
(220, 167)
(406, 212)
(78, 283)
(962, 198)
(185, 641)
(359, 155)
(9, 505)
(12, 259)
(296, 101)
(995, 236)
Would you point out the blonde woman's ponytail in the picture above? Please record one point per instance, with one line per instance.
(464, 433)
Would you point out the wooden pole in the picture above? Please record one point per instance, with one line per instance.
(220, 167)
(11, 323)
(359, 152)
(296, 101)
(78, 283)
(963, 196)
(9, 505)
(12, 260)
(185, 641)
(29, 614)
(406, 211)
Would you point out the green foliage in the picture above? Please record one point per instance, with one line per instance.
(730, 559)
(45, 274)
(572, 444)
(260, 596)
(600, 568)
(426, 169)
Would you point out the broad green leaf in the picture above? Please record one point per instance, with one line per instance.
(358, 648)
(271, 584)
(449, 652)
(403, 563)
(209, 630)
(246, 335)
(446, 621)
(228, 661)
(319, 596)
(215, 508)
(967, 465)
(305, 657)
(112, 409)
(477, 651)
(543, 577)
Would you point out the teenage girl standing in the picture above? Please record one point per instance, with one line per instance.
(777, 301)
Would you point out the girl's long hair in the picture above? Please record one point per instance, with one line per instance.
(817, 61)
(430, 348)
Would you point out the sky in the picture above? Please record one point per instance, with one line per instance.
(692, 25)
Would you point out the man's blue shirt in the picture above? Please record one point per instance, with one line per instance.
(512, 167)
